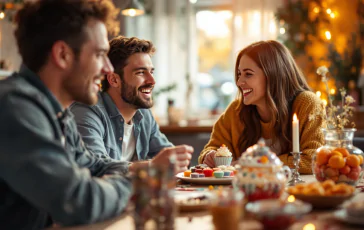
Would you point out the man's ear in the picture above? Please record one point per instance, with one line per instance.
(62, 55)
(113, 79)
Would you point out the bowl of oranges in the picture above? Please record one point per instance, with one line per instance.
(337, 164)
(325, 194)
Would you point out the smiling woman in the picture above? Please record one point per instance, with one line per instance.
(271, 88)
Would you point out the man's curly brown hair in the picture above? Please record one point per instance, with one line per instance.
(41, 23)
(121, 48)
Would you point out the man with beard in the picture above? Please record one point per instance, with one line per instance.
(121, 125)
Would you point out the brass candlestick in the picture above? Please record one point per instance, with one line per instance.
(296, 178)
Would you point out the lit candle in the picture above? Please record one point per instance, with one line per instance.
(295, 134)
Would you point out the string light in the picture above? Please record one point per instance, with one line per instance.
(318, 93)
(324, 101)
(328, 11)
(282, 30)
(316, 10)
(328, 35)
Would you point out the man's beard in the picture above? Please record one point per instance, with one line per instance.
(130, 95)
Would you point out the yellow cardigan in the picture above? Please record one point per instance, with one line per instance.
(310, 112)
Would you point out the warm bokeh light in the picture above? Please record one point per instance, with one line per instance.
(332, 15)
(324, 101)
(332, 91)
(132, 12)
(328, 11)
(282, 30)
(193, 1)
(309, 226)
(327, 35)
(316, 10)
(291, 199)
(227, 88)
(272, 27)
(2, 15)
(214, 24)
(318, 93)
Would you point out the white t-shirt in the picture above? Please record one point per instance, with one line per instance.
(128, 147)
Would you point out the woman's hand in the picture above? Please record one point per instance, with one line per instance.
(209, 159)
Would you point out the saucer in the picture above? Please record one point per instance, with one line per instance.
(343, 216)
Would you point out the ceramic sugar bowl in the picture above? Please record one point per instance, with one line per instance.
(261, 174)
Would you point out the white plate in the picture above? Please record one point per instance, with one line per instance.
(343, 216)
(205, 180)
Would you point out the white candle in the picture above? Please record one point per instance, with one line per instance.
(295, 134)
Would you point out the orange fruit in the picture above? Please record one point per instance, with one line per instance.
(323, 156)
(360, 158)
(353, 160)
(345, 170)
(336, 162)
(343, 151)
(336, 153)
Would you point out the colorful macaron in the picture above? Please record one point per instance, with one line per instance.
(227, 173)
(208, 172)
(194, 175)
(218, 174)
(187, 173)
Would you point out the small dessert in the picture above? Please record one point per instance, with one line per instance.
(194, 175)
(216, 169)
(230, 168)
(222, 167)
(219, 174)
(199, 170)
(223, 156)
(227, 173)
(187, 173)
(201, 175)
(193, 169)
(208, 172)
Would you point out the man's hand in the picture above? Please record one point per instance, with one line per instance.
(209, 159)
(183, 157)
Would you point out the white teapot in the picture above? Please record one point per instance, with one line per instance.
(261, 174)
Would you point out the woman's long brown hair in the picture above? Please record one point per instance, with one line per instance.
(284, 82)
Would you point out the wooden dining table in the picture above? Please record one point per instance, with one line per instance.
(202, 220)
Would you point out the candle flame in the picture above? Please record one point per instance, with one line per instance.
(295, 117)
(309, 227)
(291, 199)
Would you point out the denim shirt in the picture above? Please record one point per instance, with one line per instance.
(102, 129)
(45, 171)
